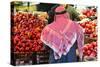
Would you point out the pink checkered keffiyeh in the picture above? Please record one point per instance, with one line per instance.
(60, 35)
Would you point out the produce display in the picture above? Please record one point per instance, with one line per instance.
(26, 32)
(89, 12)
(89, 24)
(90, 49)
(89, 27)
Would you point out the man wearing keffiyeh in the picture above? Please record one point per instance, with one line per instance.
(62, 36)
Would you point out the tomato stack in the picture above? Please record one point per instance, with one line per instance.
(89, 27)
(89, 12)
(90, 49)
(26, 31)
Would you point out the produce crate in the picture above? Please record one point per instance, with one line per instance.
(24, 58)
(90, 59)
(43, 57)
(88, 39)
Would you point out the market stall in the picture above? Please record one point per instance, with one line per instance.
(27, 24)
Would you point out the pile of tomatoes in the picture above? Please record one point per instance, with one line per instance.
(89, 12)
(89, 27)
(26, 31)
(90, 49)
